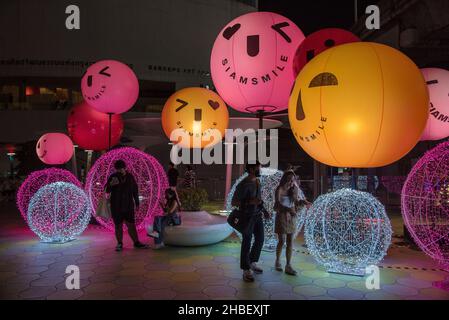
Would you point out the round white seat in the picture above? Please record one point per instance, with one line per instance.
(197, 229)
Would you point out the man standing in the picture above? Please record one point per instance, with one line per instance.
(247, 197)
(124, 195)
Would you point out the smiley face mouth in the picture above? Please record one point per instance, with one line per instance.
(43, 154)
(97, 95)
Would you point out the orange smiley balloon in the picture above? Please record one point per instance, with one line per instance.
(359, 105)
(197, 113)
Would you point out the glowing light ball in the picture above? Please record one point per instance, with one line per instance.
(344, 118)
(425, 203)
(89, 129)
(347, 230)
(54, 148)
(269, 181)
(251, 61)
(438, 124)
(200, 113)
(148, 172)
(59, 212)
(319, 41)
(39, 179)
(110, 86)
(393, 184)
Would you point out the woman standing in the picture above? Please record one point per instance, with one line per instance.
(286, 206)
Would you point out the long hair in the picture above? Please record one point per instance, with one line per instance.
(287, 175)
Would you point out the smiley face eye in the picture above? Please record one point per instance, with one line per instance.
(432, 82)
(324, 79)
(104, 73)
(183, 104)
(230, 31)
(278, 28)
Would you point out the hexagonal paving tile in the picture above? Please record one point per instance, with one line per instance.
(329, 283)
(309, 290)
(220, 291)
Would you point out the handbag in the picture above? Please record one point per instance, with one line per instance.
(238, 220)
(104, 208)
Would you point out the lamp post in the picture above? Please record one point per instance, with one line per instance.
(11, 162)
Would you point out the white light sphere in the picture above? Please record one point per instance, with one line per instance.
(347, 230)
(58, 212)
(269, 181)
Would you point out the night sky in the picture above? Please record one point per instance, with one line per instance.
(312, 15)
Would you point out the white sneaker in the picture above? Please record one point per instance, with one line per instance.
(158, 246)
(256, 268)
(154, 234)
(248, 276)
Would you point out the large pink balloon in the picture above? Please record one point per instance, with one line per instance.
(252, 61)
(438, 124)
(110, 86)
(54, 148)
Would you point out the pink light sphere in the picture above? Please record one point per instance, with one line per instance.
(425, 203)
(39, 179)
(318, 42)
(252, 59)
(54, 148)
(438, 124)
(89, 129)
(110, 86)
(148, 172)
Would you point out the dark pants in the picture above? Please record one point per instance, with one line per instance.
(159, 224)
(250, 254)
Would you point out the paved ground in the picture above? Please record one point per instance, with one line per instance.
(33, 270)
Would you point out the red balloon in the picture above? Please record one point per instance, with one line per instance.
(89, 129)
(318, 42)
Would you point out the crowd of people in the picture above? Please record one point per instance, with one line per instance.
(247, 198)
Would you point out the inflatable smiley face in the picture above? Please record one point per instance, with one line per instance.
(359, 105)
(110, 86)
(198, 115)
(252, 59)
(54, 148)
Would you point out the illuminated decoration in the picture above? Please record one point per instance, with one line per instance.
(200, 113)
(344, 182)
(347, 230)
(252, 61)
(425, 203)
(438, 124)
(393, 184)
(148, 172)
(269, 181)
(54, 148)
(110, 86)
(343, 118)
(320, 41)
(39, 179)
(59, 212)
(89, 129)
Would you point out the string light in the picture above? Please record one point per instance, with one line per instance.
(347, 230)
(148, 172)
(58, 212)
(37, 180)
(345, 182)
(425, 203)
(269, 181)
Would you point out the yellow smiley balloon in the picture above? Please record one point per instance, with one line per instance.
(197, 113)
(359, 105)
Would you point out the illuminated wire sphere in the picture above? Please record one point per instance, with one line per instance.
(148, 173)
(59, 212)
(347, 230)
(345, 182)
(37, 180)
(425, 203)
(269, 181)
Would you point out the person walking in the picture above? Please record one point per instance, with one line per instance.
(248, 198)
(170, 217)
(124, 197)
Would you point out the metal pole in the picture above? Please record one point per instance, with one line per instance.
(356, 11)
(110, 130)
